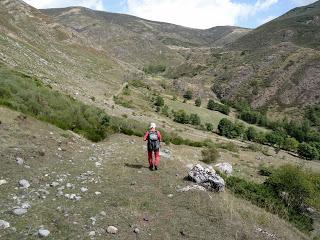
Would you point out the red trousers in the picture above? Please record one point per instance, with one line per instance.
(156, 156)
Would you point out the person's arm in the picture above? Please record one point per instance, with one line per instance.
(159, 136)
(146, 136)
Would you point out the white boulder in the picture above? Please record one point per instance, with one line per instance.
(225, 167)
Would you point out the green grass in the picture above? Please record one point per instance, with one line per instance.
(28, 95)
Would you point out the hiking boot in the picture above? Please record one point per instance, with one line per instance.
(156, 168)
(151, 168)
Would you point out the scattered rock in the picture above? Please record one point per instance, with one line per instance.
(97, 193)
(19, 211)
(112, 230)
(92, 234)
(170, 196)
(83, 189)
(207, 178)
(146, 219)
(103, 213)
(136, 230)
(43, 233)
(19, 161)
(4, 224)
(191, 188)
(2, 182)
(54, 184)
(165, 153)
(225, 167)
(267, 234)
(26, 205)
(24, 183)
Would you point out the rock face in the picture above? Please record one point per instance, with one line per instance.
(4, 224)
(225, 167)
(207, 178)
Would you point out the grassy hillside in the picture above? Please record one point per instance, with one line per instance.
(142, 42)
(299, 26)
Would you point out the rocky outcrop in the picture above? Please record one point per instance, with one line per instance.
(207, 178)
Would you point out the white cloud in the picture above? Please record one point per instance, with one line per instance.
(196, 13)
(303, 2)
(93, 4)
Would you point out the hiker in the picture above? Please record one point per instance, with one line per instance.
(154, 138)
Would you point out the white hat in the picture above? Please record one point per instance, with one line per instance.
(153, 125)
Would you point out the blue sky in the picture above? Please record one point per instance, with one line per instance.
(191, 13)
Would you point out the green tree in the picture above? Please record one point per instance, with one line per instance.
(194, 119)
(308, 151)
(198, 102)
(275, 139)
(181, 117)
(211, 104)
(226, 128)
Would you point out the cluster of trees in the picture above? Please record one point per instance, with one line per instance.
(279, 139)
(181, 116)
(300, 136)
(212, 105)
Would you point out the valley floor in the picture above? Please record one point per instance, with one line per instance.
(121, 191)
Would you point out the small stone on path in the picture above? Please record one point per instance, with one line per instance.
(136, 230)
(24, 183)
(4, 224)
(19, 211)
(19, 161)
(2, 181)
(112, 230)
(43, 232)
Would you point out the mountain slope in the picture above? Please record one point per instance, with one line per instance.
(300, 26)
(140, 41)
(33, 43)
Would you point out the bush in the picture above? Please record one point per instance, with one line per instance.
(266, 171)
(212, 105)
(188, 95)
(292, 181)
(154, 69)
(209, 127)
(226, 128)
(181, 117)
(159, 101)
(308, 151)
(194, 119)
(165, 111)
(27, 95)
(210, 155)
(290, 144)
(198, 102)
(228, 146)
(252, 134)
(275, 139)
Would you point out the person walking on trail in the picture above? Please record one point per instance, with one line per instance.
(154, 138)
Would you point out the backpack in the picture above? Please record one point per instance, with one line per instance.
(153, 141)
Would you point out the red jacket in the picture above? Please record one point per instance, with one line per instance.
(146, 136)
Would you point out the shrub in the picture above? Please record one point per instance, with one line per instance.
(212, 105)
(154, 69)
(228, 146)
(198, 102)
(209, 127)
(292, 181)
(226, 128)
(266, 171)
(29, 96)
(194, 119)
(252, 134)
(181, 117)
(165, 110)
(210, 155)
(159, 101)
(290, 144)
(275, 139)
(188, 95)
(308, 151)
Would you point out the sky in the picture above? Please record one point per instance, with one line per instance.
(200, 14)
